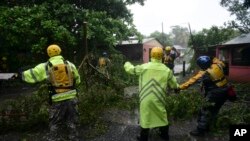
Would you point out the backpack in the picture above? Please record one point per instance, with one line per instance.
(231, 94)
(60, 77)
(102, 62)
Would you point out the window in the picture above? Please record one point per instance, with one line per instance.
(223, 55)
(241, 56)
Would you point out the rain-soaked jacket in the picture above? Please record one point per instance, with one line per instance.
(39, 73)
(211, 78)
(154, 78)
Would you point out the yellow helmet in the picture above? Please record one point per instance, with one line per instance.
(168, 48)
(157, 53)
(53, 50)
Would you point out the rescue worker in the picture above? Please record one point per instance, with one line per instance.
(62, 77)
(154, 77)
(170, 55)
(215, 87)
(103, 64)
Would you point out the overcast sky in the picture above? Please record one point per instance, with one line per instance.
(198, 13)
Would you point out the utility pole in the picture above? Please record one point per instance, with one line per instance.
(194, 47)
(191, 36)
(193, 42)
(162, 33)
(85, 45)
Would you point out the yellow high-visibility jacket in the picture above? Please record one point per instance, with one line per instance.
(39, 74)
(214, 73)
(154, 78)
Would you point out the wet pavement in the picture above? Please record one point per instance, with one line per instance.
(124, 127)
(178, 68)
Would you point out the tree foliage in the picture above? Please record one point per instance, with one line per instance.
(177, 36)
(180, 35)
(247, 3)
(239, 8)
(206, 38)
(31, 25)
(164, 38)
(213, 36)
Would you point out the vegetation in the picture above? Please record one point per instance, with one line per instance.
(240, 9)
(164, 38)
(25, 113)
(177, 36)
(27, 28)
(213, 36)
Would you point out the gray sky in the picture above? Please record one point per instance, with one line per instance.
(198, 13)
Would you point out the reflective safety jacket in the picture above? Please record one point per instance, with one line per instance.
(211, 78)
(219, 62)
(169, 60)
(154, 78)
(39, 73)
(103, 64)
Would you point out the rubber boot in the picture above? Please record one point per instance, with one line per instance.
(164, 132)
(143, 135)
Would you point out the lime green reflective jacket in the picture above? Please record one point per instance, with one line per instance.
(154, 78)
(39, 74)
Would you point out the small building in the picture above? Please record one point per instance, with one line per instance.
(138, 51)
(236, 54)
(181, 50)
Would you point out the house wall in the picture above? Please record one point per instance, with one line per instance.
(236, 73)
(239, 73)
(146, 53)
(147, 49)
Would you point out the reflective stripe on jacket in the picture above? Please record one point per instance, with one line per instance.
(64, 96)
(154, 78)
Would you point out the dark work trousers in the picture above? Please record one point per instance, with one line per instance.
(64, 114)
(163, 133)
(208, 114)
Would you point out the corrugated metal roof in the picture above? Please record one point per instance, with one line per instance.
(178, 47)
(135, 41)
(242, 39)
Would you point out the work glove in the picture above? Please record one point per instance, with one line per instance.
(18, 75)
